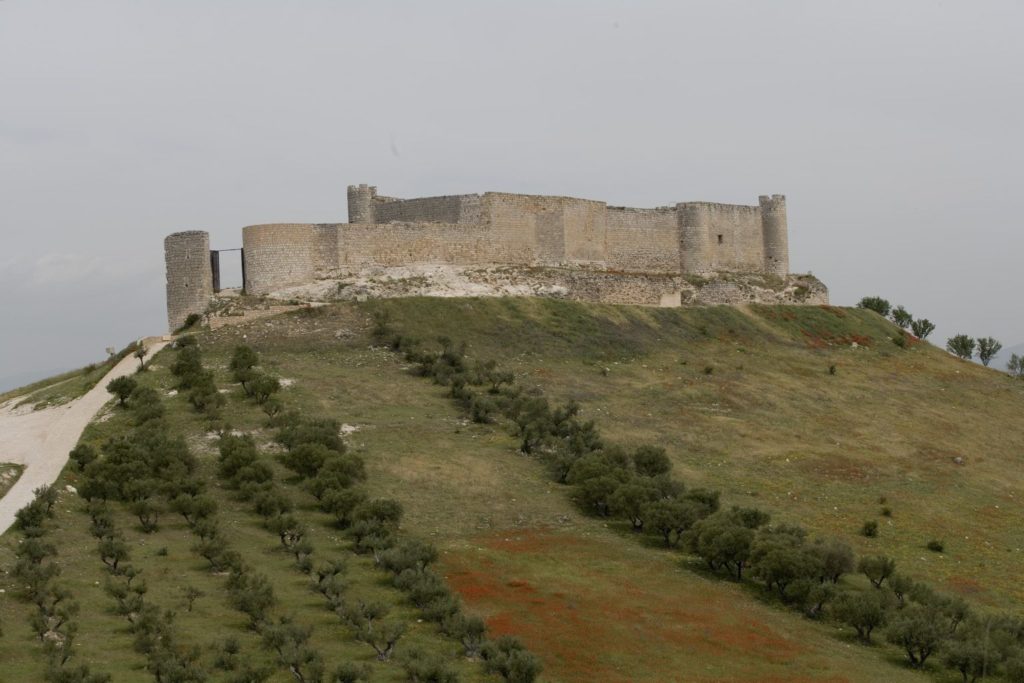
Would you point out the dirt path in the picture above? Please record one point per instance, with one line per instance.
(41, 439)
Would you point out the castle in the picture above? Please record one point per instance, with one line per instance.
(584, 248)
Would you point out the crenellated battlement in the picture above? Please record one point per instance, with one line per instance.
(499, 229)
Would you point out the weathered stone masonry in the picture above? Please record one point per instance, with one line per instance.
(645, 246)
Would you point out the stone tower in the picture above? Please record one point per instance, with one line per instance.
(360, 203)
(189, 275)
(775, 233)
(695, 234)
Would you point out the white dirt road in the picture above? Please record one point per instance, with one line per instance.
(41, 439)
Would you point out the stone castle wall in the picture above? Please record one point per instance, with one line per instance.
(691, 238)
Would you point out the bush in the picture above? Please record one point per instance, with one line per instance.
(191, 320)
(876, 304)
(936, 546)
(869, 529)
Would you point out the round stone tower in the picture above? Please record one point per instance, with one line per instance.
(189, 275)
(360, 203)
(775, 233)
(695, 234)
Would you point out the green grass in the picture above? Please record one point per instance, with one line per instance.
(169, 566)
(769, 426)
(62, 388)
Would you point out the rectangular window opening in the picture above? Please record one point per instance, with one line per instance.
(719, 239)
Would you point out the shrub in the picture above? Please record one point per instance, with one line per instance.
(936, 546)
(191, 320)
(876, 304)
(869, 529)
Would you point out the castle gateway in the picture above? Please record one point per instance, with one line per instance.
(587, 249)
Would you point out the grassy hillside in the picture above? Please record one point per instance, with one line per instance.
(742, 399)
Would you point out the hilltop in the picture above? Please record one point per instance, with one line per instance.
(824, 417)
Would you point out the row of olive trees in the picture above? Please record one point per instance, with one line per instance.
(960, 345)
(638, 487)
(318, 457)
(37, 573)
(901, 317)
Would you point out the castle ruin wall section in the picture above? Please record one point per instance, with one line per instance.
(734, 238)
(448, 209)
(279, 255)
(399, 244)
(189, 275)
(539, 230)
(642, 240)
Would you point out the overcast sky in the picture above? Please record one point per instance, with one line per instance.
(896, 130)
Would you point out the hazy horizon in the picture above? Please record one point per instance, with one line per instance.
(894, 131)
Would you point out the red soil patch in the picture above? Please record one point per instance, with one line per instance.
(837, 468)
(964, 585)
(536, 540)
(592, 615)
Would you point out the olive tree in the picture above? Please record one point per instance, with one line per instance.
(876, 304)
(922, 328)
(988, 347)
(901, 317)
(961, 345)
